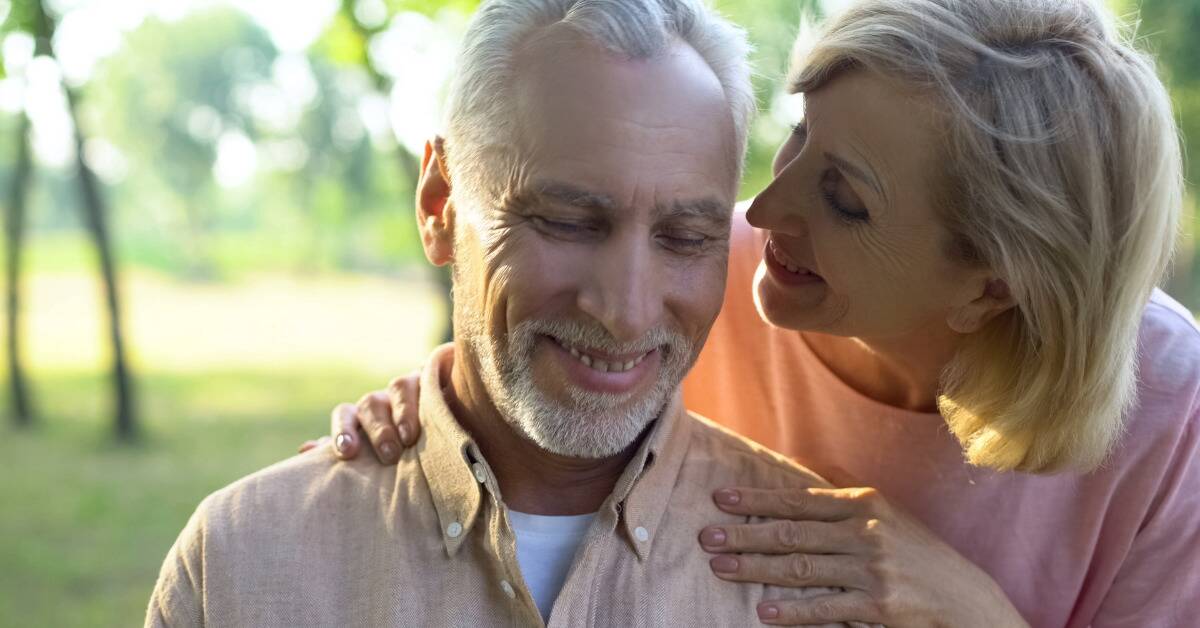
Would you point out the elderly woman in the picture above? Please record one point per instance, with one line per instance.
(953, 280)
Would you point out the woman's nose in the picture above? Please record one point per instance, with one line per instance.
(777, 209)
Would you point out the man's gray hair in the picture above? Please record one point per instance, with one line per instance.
(480, 116)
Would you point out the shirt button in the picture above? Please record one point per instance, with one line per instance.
(454, 529)
(641, 534)
(479, 474)
(508, 590)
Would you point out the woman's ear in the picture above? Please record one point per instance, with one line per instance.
(435, 212)
(991, 297)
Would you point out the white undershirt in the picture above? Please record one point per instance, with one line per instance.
(545, 550)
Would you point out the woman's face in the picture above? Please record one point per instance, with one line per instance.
(855, 246)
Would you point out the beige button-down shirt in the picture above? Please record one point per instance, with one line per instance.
(313, 541)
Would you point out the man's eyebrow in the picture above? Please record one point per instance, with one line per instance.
(858, 173)
(574, 196)
(710, 209)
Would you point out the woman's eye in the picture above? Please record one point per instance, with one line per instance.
(848, 210)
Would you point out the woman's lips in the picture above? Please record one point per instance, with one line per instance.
(785, 269)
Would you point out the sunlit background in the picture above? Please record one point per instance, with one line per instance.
(234, 180)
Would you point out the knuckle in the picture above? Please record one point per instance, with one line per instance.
(889, 604)
(882, 572)
(382, 432)
(795, 503)
(343, 410)
(404, 384)
(800, 569)
(872, 533)
(789, 536)
(377, 410)
(822, 610)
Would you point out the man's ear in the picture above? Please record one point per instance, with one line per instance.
(989, 298)
(435, 212)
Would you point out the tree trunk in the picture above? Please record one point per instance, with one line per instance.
(95, 215)
(409, 165)
(22, 403)
(95, 218)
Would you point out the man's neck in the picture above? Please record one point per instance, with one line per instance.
(532, 480)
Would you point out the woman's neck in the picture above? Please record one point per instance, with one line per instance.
(899, 373)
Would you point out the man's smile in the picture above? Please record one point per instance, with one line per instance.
(600, 371)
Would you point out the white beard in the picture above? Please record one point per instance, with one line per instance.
(592, 425)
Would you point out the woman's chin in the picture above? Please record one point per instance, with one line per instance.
(782, 307)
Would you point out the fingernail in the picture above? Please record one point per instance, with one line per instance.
(713, 536)
(768, 612)
(343, 442)
(388, 451)
(403, 429)
(724, 564)
(727, 497)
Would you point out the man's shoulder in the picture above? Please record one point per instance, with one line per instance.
(738, 459)
(309, 486)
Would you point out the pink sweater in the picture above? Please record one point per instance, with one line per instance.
(1116, 547)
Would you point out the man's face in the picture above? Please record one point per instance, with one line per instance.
(586, 293)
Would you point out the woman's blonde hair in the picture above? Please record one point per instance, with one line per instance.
(1064, 177)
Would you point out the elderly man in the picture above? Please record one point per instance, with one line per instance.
(583, 198)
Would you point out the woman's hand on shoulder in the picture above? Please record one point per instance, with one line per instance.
(388, 418)
(892, 569)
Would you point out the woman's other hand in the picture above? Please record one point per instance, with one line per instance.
(894, 570)
(388, 417)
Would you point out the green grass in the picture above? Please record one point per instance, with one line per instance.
(86, 522)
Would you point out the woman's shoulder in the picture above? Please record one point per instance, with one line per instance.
(1169, 349)
(1161, 429)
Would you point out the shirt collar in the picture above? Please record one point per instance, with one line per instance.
(643, 491)
(455, 470)
(445, 451)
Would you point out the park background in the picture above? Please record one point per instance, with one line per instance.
(234, 179)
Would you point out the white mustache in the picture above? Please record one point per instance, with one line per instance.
(594, 336)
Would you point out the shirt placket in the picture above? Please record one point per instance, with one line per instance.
(503, 542)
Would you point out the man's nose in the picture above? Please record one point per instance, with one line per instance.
(625, 289)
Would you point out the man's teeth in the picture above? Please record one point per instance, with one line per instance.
(601, 365)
